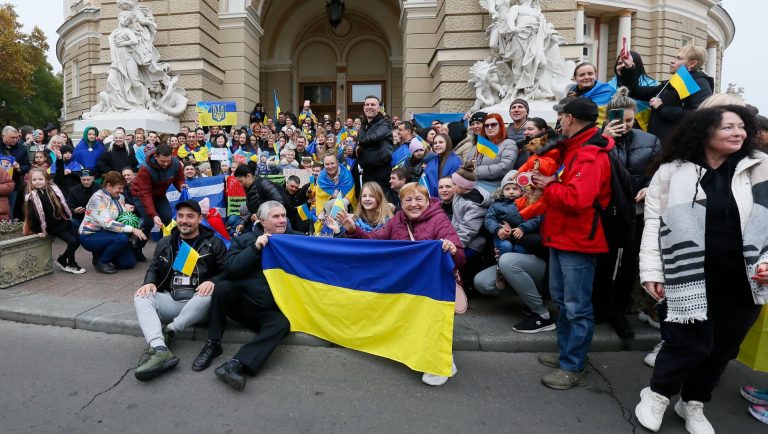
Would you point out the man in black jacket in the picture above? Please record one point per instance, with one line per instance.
(374, 149)
(172, 296)
(79, 195)
(245, 296)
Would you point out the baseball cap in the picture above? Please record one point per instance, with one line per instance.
(582, 108)
(189, 203)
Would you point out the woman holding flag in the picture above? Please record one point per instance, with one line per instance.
(588, 86)
(494, 154)
(420, 219)
(671, 100)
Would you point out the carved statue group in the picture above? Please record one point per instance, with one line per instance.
(525, 59)
(137, 80)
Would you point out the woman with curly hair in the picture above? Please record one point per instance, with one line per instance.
(704, 256)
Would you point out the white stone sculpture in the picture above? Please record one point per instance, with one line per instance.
(137, 82)
(528, 46)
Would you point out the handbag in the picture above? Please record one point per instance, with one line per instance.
(462, 304)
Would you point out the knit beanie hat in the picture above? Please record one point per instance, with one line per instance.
(521, 102)
(509, 178)
(465, 177)
(415, 145)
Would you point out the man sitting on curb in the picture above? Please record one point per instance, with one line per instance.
(245, 296)
(169, 295)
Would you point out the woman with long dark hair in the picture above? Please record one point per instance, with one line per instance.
(443, 162)
(704, 256)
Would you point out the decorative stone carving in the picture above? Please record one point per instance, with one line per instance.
(525, 59)
(137, 81)
(23, 259)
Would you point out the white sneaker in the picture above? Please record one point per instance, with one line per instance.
(650, 410)
(650, 358)
(438, 380)
(693, 414)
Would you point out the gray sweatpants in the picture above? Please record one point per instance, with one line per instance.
(523, 273)
(153, 309)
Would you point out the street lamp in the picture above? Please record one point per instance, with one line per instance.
(335, 10)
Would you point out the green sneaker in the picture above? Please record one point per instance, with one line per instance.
(168, 336)
(550, 359)
(158, 363)
(563, 380)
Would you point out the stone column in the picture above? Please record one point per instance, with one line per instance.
(579, 24)
(711, 66)
(418, 24)
(625, 29)
(239, 42)
(602, 49)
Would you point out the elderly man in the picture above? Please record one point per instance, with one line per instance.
(175, 297)
(374, 144)
(245, 296)
(10, 147)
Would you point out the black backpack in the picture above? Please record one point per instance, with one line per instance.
(618, 218)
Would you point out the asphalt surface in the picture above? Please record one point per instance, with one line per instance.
(56, 379)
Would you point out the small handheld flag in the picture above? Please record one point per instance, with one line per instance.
(423, 181)
(277, 104)
(186, 259)
(305, 213)
(338, 205)
(684, 83)
(487, 147)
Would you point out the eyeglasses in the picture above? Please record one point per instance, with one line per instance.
(494, 125)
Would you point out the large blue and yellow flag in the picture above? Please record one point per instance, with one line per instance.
(326, 188)
(216, 113)
(405, 316)
(601, 95)
(684, 83)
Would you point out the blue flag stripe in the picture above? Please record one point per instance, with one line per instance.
(377, 265)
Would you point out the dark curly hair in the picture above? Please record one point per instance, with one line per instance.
(688, 141)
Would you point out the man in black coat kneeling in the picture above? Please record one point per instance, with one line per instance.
(244, 295)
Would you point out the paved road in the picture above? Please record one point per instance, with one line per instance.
(55, 379)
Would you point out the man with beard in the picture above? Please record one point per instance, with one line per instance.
(171, 296)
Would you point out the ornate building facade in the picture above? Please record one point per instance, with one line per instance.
(414, 54)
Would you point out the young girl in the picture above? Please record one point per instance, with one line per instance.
(46, 213)
(40, 162)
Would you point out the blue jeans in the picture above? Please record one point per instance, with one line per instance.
(110, 247)
(570, 284)
(507, 246)
(162, 208)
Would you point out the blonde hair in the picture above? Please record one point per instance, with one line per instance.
(58, 208)
(414, 187)
(621, 100)
(693, 52)
(720, 99)
(382, 212)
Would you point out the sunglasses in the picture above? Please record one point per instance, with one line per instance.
(494, 125)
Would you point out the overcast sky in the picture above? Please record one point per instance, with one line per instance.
(744, 61)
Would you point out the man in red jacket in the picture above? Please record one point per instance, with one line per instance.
(573, 232)
(148, 188)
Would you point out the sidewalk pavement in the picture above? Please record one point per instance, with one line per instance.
(103, 303)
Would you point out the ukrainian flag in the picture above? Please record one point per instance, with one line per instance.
(423, 181)
(277, 104)
(216, 113)
(406, 316)
(186, 259)
(487, 147)
(601, 95)
(684, 83)
(305, 213)
(326, 188)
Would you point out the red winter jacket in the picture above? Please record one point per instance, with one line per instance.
(433, 224)
(152, 181)
(571, 222)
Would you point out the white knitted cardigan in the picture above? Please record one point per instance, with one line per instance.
(672, 248)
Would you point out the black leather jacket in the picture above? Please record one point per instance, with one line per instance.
(210, 265)
(375, 143)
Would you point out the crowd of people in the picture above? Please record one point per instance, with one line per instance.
(531, 217)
